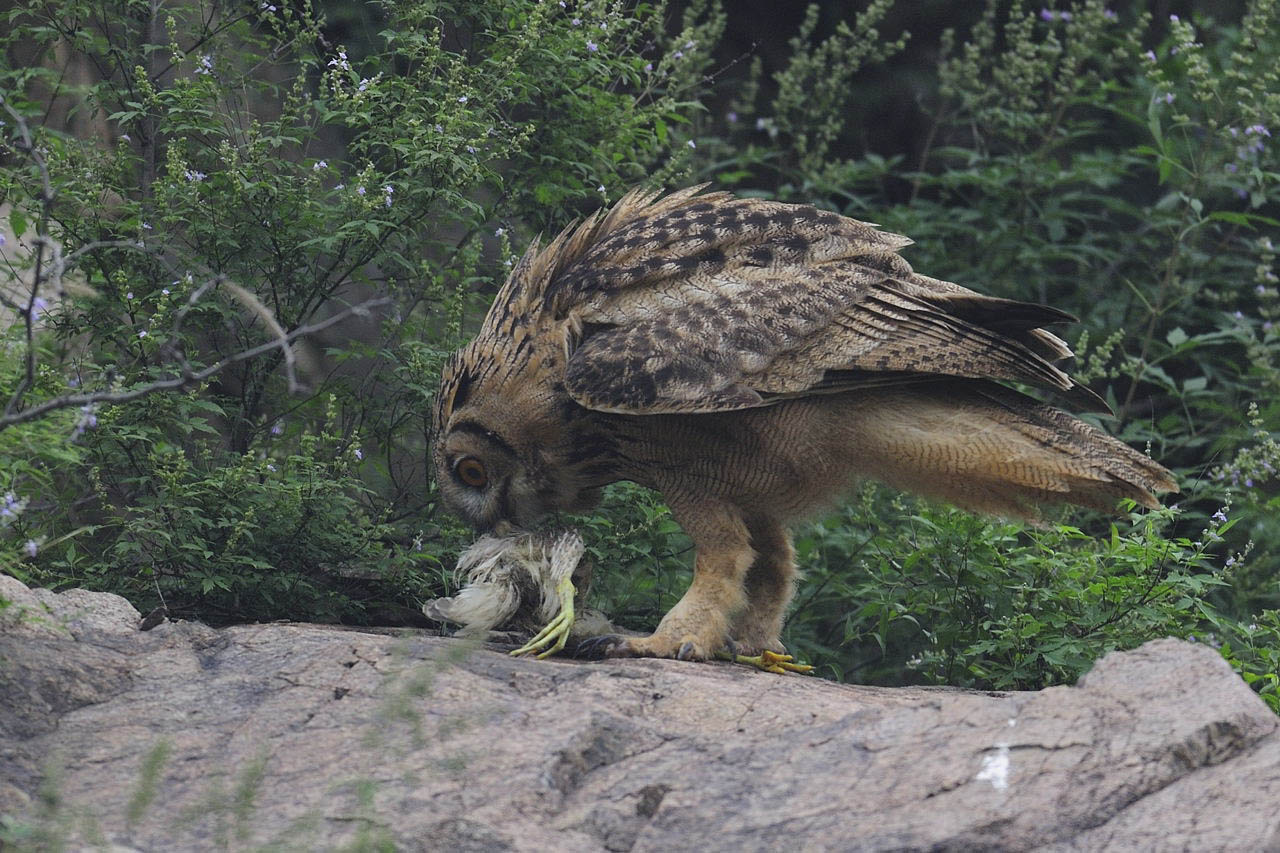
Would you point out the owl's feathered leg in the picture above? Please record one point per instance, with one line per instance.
(770, 584)
(698, 626)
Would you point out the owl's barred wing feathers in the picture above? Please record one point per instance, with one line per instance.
(713, 303)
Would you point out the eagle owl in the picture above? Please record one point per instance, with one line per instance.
(749, 360)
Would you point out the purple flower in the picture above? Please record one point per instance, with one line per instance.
(129, 295)
(600, 189)
(1231, 561)
(205, 67)
(1168, 97)
(31, 548)
(1064, 16)
(648, 66)
(1174, 18)
(277, 428)
(1266, 327)
(1109, 14)
(360, 190)
(462, 100)
(592, 46)
(195, 176)
(142, 334)
(318, 165)
(731, 117)
(1220, 516)
(577, 22)
(1248, 481)
(1150, 55)
(1046, 15)
(1257, 129)
(358, 453)
(679, 54)
(1232, 168)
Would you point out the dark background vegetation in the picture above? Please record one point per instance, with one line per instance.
(320, 156)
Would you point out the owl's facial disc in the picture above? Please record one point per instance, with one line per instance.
(479, 476)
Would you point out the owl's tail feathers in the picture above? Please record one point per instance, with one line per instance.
(990, 449)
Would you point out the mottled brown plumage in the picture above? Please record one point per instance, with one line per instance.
(750, 360)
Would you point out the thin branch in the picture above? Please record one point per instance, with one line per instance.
(188, 376)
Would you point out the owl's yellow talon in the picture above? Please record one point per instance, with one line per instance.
(551, 638)
(768, 662)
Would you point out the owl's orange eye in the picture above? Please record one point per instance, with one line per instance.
(470, 470)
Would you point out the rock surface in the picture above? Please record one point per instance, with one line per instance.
(315, 737)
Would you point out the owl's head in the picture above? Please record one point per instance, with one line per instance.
(502, 450)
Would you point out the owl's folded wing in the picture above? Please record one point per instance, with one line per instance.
(678, 314)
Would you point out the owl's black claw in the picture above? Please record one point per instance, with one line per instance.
(598, 648)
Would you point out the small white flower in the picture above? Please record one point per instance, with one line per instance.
(31, 548)
(129, 295)
(164, 291)
(142, 334)
(498, 232)
(358, 453)
(319, 164)
(462, 100)
(600, 189)
(691, 144)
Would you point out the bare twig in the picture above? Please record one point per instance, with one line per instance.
(188, 376)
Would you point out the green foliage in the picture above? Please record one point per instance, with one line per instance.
(953, 599)
(226, 211)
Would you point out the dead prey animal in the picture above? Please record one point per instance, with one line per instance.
(536, 583)
(533, 583)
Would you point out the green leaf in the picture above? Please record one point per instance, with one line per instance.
(17, 222)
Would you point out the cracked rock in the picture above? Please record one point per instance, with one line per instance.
(316, 737)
